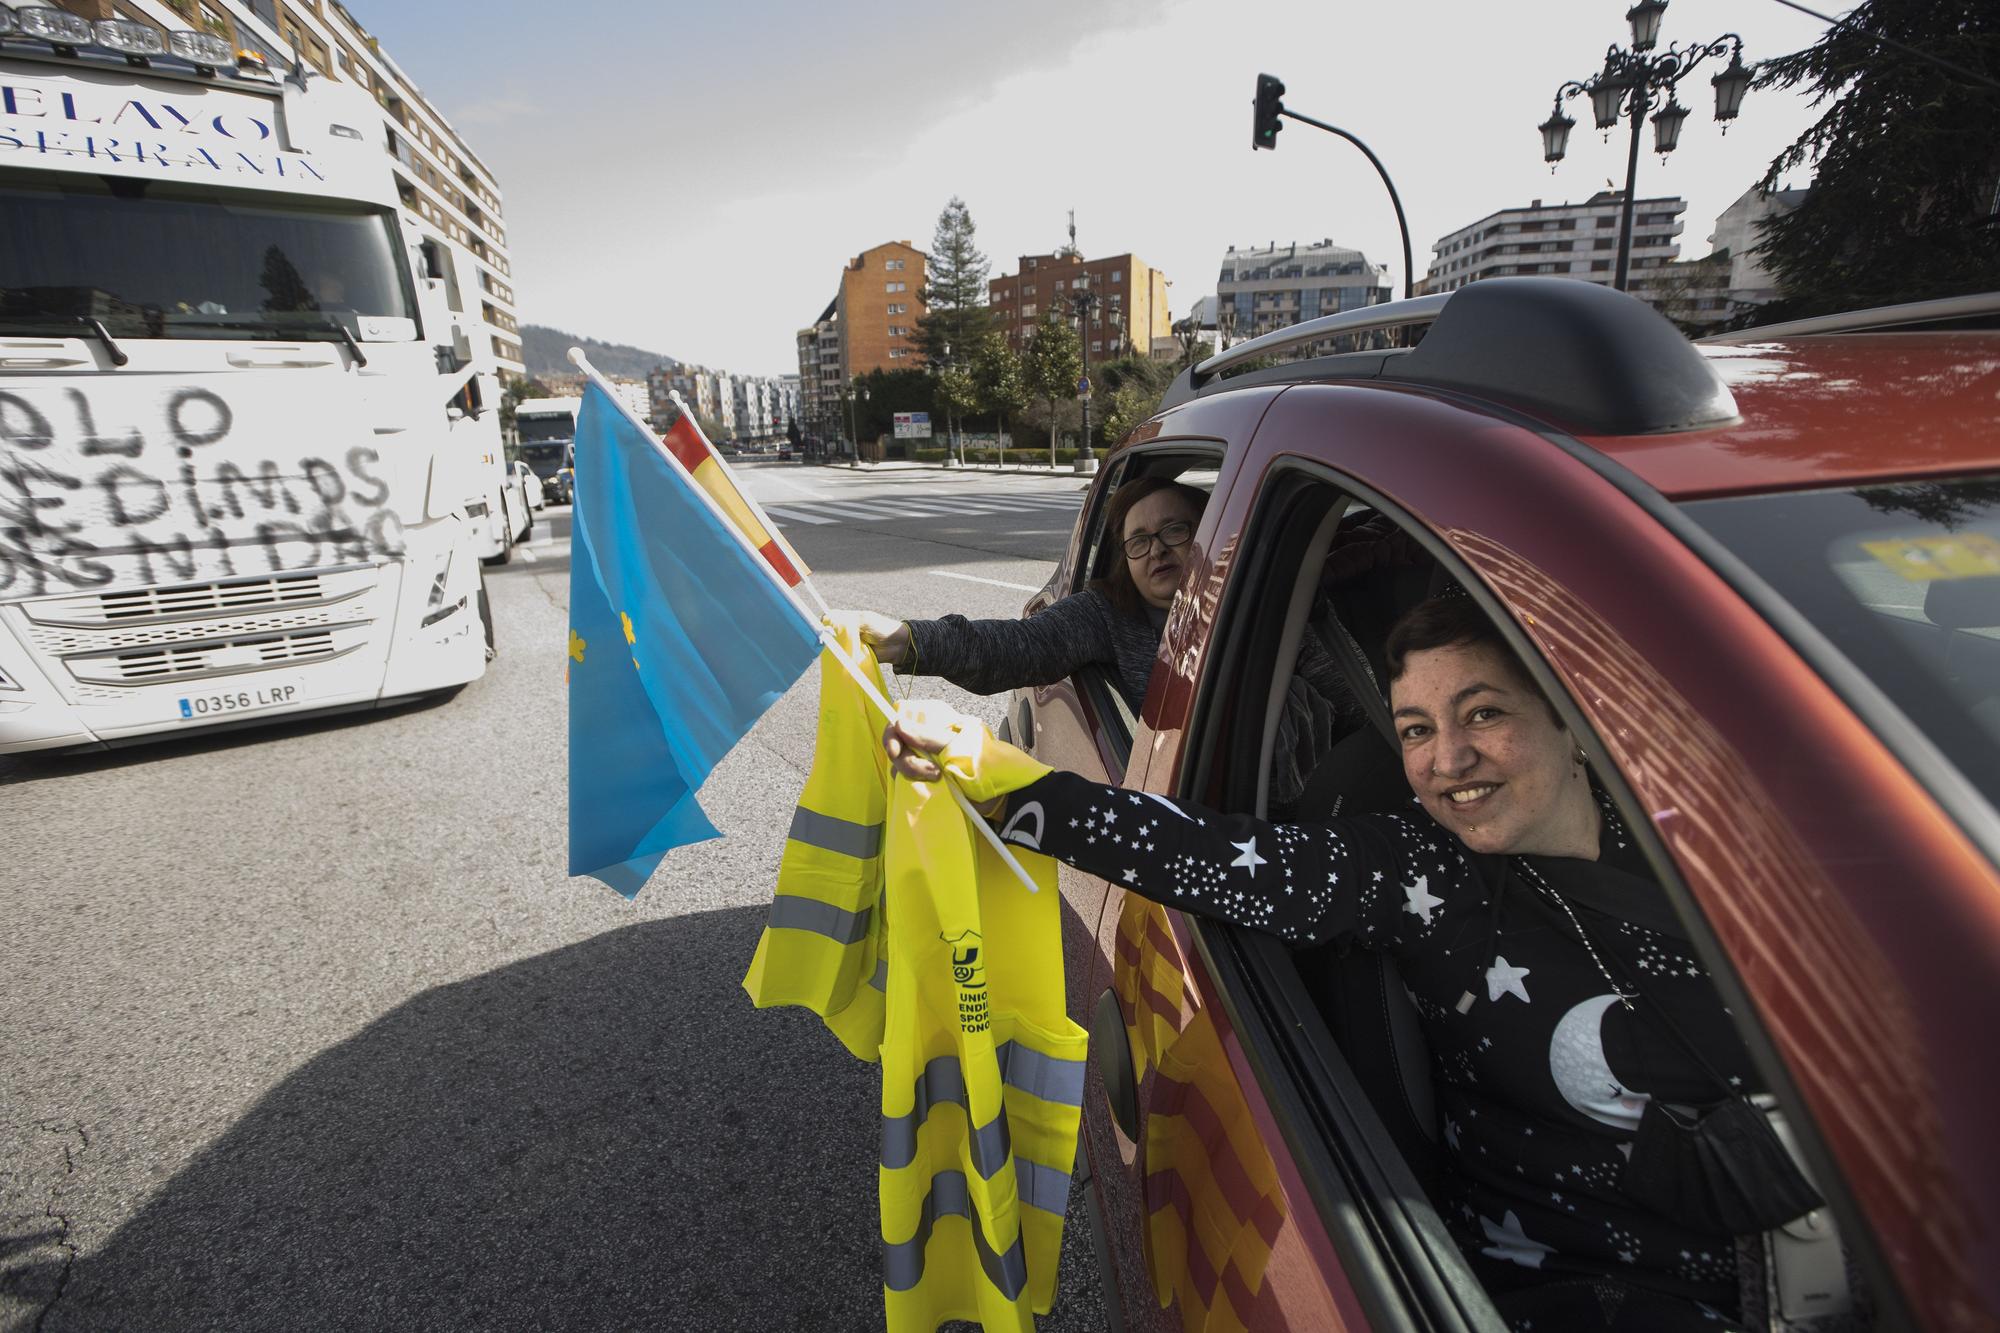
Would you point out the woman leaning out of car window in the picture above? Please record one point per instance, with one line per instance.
(1582, 1056)
(1114, 623)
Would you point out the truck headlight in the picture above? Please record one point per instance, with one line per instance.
(437, 608)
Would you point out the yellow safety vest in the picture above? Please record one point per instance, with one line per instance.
(982, 1070)
(823, 947)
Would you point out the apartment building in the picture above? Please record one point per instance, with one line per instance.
(1261, 288)
(870, 324)
(449, 196)
(1568, 240)
(880, 302)
(1129, 313)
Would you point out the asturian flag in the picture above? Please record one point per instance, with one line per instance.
(679, 639)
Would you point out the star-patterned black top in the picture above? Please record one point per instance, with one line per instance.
(1541, 1071)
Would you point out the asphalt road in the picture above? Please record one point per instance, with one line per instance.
(306, 1026)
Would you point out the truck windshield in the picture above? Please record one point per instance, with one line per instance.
(152, 259)
(1905, 581)
(558, 428)
(549, 453)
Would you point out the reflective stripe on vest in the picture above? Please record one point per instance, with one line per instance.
(830, 833)
(903, 1264)
(943, 1081)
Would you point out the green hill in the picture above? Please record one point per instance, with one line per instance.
(546, 352)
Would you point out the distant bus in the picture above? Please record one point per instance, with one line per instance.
(547, 431)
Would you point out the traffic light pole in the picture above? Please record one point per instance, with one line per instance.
(1409, 274)
(1264, 134)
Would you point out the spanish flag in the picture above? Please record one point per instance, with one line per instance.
(686, 442)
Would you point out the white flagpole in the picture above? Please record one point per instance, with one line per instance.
(821, 630)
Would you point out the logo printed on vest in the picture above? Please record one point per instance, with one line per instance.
(968, 970)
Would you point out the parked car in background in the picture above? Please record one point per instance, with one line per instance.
(1759, 579)
(530, 484)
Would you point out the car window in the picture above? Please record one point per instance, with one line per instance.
(1195, 466)
(1904, 580)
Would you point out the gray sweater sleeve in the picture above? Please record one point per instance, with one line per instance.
(993, 656)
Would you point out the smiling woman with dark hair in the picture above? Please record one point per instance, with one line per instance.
(1591, 1086)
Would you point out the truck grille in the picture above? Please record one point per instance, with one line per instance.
(112, 643)
(215, 657)
(195, 601)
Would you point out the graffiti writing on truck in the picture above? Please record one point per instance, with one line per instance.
(86, 501)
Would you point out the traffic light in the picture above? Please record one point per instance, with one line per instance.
(1264, 132)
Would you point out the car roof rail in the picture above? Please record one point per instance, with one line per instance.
(1588, 357)
(1972, 306)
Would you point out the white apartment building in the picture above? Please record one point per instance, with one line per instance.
(1565, 240)
(1736, 236)
(1273, 287)
(448, 195)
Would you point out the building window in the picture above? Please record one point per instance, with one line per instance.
(1097, 344)
(1028, 311)
(1118, 275)
(892, 265)
(1600, 266)
(1605, 222)
(894, 287)
(1603, 243)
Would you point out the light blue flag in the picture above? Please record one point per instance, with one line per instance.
(678, 642)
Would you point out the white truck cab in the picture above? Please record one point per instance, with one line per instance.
(235, 457)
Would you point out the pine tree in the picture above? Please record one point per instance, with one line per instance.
(954, 294)
(1903, 199)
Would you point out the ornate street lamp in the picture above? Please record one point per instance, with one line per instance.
(1667, 126)
(1555, 135)
(1632, 84)
(1645, 20)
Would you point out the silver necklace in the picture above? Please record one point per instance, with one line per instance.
(1534, 877)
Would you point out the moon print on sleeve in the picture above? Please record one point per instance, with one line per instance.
(1582, 1074)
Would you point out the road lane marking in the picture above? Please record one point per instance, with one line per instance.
(795, 487)
(528, 554)
(974, 578)
(783, 514)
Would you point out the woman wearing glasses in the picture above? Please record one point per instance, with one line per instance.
(1114, 623)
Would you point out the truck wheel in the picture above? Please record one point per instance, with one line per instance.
(486, 618)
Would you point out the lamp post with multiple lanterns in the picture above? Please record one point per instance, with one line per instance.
(1086, 461)
(1635, 82)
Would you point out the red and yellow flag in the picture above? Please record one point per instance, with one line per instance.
(686, 442)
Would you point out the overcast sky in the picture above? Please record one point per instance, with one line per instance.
(691, 179)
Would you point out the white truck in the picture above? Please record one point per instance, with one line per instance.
(546, 433)
(234, 462)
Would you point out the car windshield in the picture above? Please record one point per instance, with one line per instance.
(1905, 581)
(152, 259)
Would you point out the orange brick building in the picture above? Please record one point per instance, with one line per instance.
(1131, 307)
(878, 308)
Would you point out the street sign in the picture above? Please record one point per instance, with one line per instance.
(1083, 387)
(913, 425)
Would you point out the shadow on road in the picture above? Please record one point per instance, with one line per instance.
(574, 1141)
(606, 1136)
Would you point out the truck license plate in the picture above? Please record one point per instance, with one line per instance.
(248, 697)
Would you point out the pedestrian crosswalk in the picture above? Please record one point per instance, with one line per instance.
(889, 510)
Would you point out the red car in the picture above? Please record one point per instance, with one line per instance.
(1759, 578)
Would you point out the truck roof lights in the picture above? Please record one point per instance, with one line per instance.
(203, 48)
(52, 25)
(134, 39)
